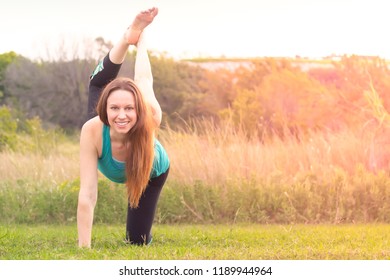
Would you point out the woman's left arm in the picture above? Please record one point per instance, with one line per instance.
(144, 79)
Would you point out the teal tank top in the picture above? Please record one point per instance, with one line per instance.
(115, 170)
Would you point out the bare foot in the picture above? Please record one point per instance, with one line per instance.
(142, 20)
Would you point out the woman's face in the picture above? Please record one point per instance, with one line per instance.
(121, 112)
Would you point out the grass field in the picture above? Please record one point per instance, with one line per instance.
(201, 242)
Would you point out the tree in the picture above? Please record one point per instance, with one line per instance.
(5, 60)
(176, 85)
(351, 82)
(294, 101)
(246, 112)
(218, 91)
(56, 92)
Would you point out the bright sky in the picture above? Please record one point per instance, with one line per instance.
(188, 28)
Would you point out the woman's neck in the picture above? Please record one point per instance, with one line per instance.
(119, 139)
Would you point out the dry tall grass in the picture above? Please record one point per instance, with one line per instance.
(221, 154)
(54, 166)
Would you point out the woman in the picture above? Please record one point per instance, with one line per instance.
(120, 140)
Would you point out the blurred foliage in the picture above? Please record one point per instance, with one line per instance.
(261, 95)
(27, 135)
(8, 128)
(364, 198)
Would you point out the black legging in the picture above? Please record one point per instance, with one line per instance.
(108, 72)
(139, 220)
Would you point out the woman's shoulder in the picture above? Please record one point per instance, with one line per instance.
(92, 127)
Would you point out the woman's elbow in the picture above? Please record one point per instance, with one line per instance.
(157, 115)
(87, 200)
(158, 119)
(85, 206)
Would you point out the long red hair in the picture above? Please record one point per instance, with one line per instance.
(139, 140)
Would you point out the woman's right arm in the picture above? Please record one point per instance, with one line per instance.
(88, 184)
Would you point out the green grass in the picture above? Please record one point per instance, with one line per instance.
(201, 242)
